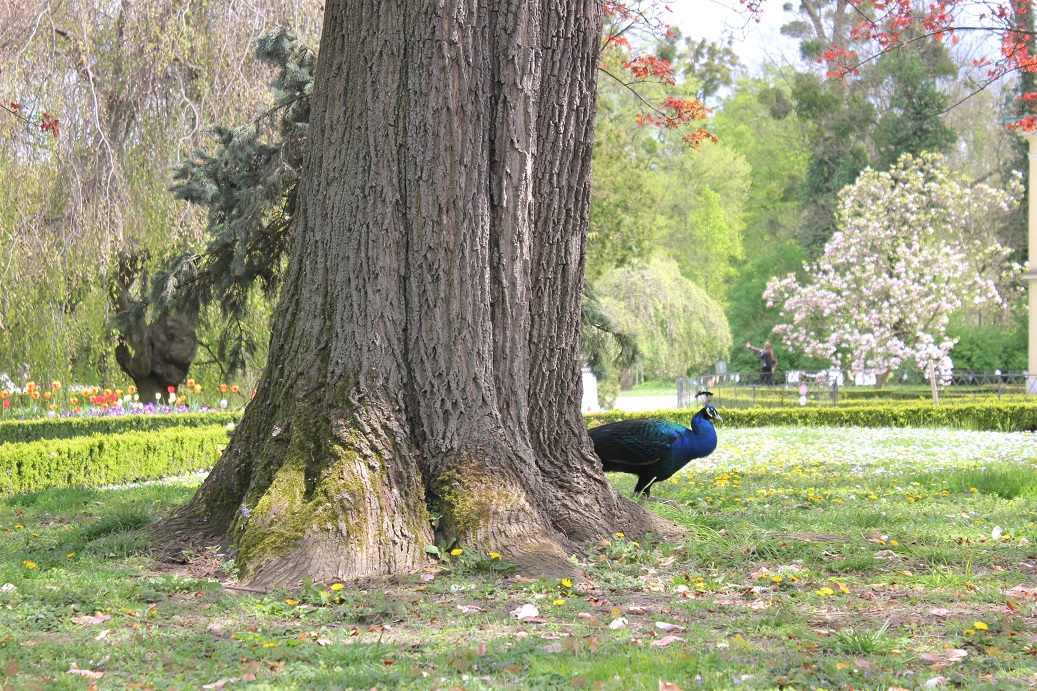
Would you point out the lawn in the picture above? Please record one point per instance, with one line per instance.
(814, 558)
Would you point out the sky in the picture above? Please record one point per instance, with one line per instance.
(754, 42)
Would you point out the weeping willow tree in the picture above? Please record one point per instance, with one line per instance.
(678, 327)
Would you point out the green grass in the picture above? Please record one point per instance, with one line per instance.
(814, 558)
(651, 388)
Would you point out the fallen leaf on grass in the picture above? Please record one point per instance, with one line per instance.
(635, 610)
(1023, 591)
(667, 686)
(91, 619)
(934, 682)
(103, 634)
(219, 684)
(666, 640)
(468, 609)
(88, 673)
(939, 612)
(955, 654)
(553, 648)
(618, 623)
(668, 627)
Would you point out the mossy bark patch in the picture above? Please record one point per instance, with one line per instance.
(333, 510)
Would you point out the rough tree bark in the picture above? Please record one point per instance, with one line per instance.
(425, 352)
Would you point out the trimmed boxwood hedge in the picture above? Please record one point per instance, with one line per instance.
(1005, 417)
(108, 459)
(16, 431)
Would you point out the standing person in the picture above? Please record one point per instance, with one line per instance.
(768, 362)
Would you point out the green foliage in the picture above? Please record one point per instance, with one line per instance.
(759, 123)
(248, 188)
(912, 124)
(16, 432)
(678, 326)
(989, 347)
(703, 194)
(624, 223)
(108, 459)
(1003, 417)
(750, 318)
(842, 118)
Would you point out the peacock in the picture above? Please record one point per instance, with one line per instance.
(654, 449)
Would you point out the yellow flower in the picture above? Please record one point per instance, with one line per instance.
(825, 591)
(70, 555)
(777, 579)
(291, 602)
(619, 534)
(269, 645)
(979, 626)
(337, 586)
(456, 552)
(843, 588)
(894, 543)
(18, 525)
(973, 490)
(494, 555)
(567, 582)
(29, 564)
(559, 602)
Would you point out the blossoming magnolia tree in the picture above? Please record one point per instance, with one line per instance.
(916, 244)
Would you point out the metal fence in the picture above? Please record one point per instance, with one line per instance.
(831, 387)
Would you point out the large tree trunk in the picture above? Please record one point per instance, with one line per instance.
(432, 293)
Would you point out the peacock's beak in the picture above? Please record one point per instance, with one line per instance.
(719, 418)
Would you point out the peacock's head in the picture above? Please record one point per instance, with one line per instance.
(710, 413)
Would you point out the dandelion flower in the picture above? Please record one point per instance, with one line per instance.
(337, 586)
(291, 602)
(456, 552)
(559, 602)
(494, 555)
(619, 534)
(29, 564)
(979, 626)
(567, 582)
(777, 579)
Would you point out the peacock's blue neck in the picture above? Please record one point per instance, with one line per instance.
(699, 441)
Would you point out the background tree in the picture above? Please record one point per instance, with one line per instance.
(916, 243)
(134, 85)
